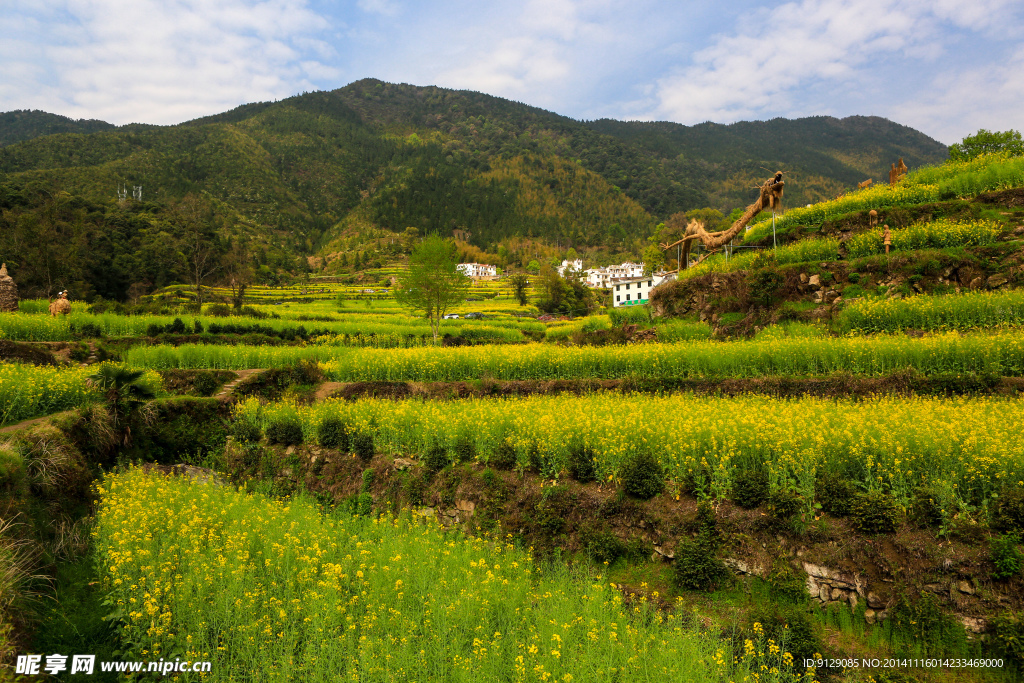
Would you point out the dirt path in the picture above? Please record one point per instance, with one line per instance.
(240, 375)
(24, 423)
(327, 388)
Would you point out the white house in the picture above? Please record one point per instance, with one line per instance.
(632, 292)
(477, 270)
(576, 265)
(603, 278)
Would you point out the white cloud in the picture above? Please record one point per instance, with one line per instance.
(166, 61)
(550, 53)
(798, 58)
(957, 106)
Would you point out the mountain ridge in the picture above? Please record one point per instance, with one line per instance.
(337, 172)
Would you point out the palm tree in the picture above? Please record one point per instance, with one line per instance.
(124, 394)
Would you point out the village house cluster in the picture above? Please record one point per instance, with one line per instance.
(627, 281)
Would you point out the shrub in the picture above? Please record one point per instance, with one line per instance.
(763, 285)
(696, 566)
(927, 508)
(204, 383)
(362, 445)
(581, 462)
(784, 505)
(465, 448)
(750, 488)
(1008, 510)
(246, 432)
(362, 504)
(333, 433)
(1005, 556)
(639, 550)
(875, 513)
(642, 476)
(504, 457)
(605, 546)
(1007, 632)
(286, 431)
(218, 310)
(835, 494)
(436, 458)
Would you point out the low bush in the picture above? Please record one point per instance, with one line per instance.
(927, 508)
(696, 565)
(465, 448)
(1006, 556)
(1007, 633)
(642, 476)
(876, 513)
(333, 433)
(835, 493)
(581, 462)
(1008, 510)
(436, 457)
(750, 488)
(783, 506)
(246, 432)
(504, 457)
(363, 446)
(604, 546)
(205, 383)
(285, 431)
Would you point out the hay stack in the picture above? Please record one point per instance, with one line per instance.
(8, 292)
(61, 305)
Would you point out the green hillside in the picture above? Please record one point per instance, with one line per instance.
(345, 173)
(25, 124)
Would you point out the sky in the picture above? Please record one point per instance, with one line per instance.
(944, 67)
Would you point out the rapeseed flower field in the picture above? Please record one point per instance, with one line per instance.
(276, 590)
(27, 391)
(967, 447)
(967, 311)
(999, 353)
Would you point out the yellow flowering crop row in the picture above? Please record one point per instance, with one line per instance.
(277, 591)
(931, 235)
(1000, 353)
(973, 445)
(941, 353)
(953, 312)
(878, 196)
(28, 391)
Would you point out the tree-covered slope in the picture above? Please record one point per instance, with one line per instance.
(25, 124)
(315, 171)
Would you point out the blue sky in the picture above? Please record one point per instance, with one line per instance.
(944, 67)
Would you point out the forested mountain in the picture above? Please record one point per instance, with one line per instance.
(327, 172)
(25, 124)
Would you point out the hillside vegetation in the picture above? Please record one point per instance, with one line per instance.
(347, 172)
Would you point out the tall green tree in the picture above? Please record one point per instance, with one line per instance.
(199, 250)
(434, 283)
(519, 282)
(986, 142)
